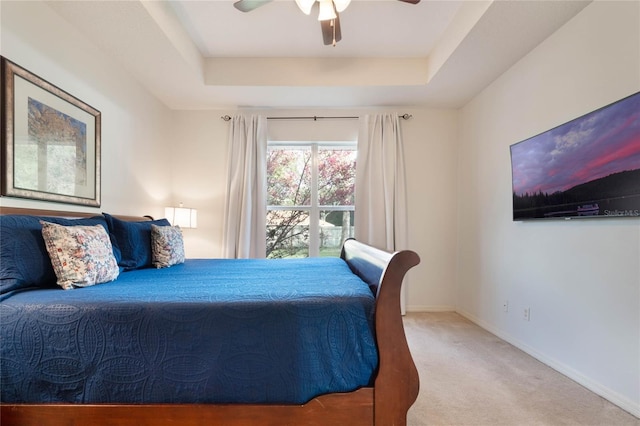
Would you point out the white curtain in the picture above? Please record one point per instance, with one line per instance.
(246, 207)
(381, 197)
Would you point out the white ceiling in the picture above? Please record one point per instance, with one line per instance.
(280, 29)
(203, 54)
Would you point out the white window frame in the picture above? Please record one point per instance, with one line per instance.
(314, 209)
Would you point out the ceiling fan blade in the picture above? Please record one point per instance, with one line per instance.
(249, 5)
(328, 31)
(411, 1)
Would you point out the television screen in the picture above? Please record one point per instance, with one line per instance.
(588, 167)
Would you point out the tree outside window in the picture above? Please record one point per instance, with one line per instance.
(310, 197)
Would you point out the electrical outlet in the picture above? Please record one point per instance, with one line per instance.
(527, 314)
(505, 306)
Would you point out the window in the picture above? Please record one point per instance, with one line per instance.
(54, 169)
(310, 198)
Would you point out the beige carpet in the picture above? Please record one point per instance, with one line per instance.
(469, 377)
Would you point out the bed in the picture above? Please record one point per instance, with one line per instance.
(204, 341)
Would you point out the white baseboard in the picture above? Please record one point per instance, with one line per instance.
(430, 308)
(621, 401)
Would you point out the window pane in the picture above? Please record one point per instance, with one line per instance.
(61, 169)
(336, 177)
(289, 176)
(56, 172)
(287, 233)
(335, 228)
(310, 190)
(26, 172)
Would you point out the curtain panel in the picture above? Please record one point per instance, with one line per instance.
(381, 195)
(246, 207)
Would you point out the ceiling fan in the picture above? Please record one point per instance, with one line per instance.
(328, 14)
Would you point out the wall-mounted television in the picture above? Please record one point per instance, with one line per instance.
(586, 168)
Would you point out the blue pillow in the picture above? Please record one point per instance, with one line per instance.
(24, 261)
(131, 241)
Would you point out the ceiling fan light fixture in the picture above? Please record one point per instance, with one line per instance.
(327, 11)
(305, 5)
(341, 5)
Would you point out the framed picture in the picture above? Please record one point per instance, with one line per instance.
(50, 141)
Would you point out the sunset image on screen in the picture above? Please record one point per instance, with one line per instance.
(588, 164)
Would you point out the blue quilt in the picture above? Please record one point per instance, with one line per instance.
(206, 331)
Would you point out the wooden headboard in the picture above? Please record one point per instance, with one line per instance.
(62, 213)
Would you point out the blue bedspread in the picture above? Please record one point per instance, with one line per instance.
(207, 331)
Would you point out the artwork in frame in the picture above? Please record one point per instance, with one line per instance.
(50, 141)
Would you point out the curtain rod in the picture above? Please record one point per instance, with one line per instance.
(315, 117)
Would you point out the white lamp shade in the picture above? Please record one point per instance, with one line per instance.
(341, 5)
(182, 216)
(305, 5)
(326, 10)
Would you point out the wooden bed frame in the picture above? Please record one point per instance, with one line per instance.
(385, 404)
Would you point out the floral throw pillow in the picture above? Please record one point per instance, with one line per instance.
(167, 246)
(81, 256)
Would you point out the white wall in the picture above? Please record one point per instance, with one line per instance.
(581, 279)
(199, 177)
(135, 161)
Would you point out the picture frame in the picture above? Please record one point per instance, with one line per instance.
(50, 141)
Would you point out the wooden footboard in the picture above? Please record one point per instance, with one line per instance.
(397, 383)
(353, 409)
(386, 403)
